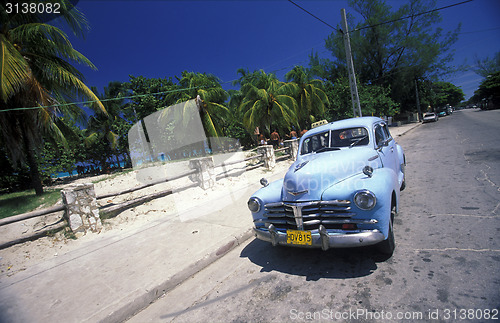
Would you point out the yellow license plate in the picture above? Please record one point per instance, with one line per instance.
(298, 237)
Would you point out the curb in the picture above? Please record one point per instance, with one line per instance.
(148, 297)
(410, 129)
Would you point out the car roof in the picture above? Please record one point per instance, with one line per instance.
(366, 122)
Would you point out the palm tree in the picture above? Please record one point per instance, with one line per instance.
(100, 125)
(211, 107)
(36, 76)
(311, 97)
(267, 100)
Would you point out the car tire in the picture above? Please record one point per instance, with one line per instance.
(403, 170)
(387, 246)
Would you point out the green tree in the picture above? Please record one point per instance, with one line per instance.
(235, 128)
(446, 93)
(211, 108)
(375, 100)
(489, 90)
(487, 66)
(36, 74)
(56, 157)
(148, 95)
(268, 102)
(392, 54)
(100, 127)
(311, 98)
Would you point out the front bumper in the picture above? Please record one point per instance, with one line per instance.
(323, 239)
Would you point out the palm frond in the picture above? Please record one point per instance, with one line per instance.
(209, 126)
(91, 139)
(63, 81)
(112, 139)
(14, 70)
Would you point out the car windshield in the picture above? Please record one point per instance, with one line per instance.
(349, 137)
(315, 143)
(334, 140)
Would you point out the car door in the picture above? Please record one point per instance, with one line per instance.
(386, 147)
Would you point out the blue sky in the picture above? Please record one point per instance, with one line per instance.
(163, 38)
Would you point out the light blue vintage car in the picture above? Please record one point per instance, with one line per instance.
(342, 191)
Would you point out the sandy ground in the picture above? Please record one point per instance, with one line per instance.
(19, 257)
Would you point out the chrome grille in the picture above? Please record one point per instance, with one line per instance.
(308, 215)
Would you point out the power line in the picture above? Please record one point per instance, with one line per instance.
(312, 15)
(412, 16)
(478, 31)
(303, 9)
(382, 23)
(101, 100)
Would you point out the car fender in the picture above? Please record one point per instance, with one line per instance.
(402, 164)
(267, 194)
(401, 154)
(383, 183)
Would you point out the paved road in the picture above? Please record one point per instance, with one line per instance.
(446, 265)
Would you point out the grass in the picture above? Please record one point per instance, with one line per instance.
(26, 201)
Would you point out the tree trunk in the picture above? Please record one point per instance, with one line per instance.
(117, 157)
(36, 181)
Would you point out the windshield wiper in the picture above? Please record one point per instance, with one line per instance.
(357, 141)
(322, 149)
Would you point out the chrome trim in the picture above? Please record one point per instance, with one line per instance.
(365, 191)
(309, 214)
(258, 203)
(323, 238)
(298, 193)
(297, 214)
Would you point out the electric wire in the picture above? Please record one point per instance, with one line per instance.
(412, 16)
(180, 90)
(312, 15)
(102, 100)
(382, 23)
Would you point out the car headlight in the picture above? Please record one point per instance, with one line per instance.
(253, 205)
(365, 200)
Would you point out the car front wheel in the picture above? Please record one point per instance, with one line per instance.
(387, 246)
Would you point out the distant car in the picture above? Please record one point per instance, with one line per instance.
(442, 114)
(430, 117)
(342, 191)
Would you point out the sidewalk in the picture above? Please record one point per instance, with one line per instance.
(115, 276)
(403, 129)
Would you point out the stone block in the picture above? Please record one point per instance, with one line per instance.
(82, 211)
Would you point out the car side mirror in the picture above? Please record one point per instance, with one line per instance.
(381, 144)
(264, 182)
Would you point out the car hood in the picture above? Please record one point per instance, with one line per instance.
(311, 174)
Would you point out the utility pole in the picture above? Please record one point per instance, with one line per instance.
(350, 67)
(418, 101)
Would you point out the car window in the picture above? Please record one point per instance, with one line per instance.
(315, 142)
(379, 135)
(347, 137)
(386, 131)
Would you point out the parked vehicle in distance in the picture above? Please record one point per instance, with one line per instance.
(342, 191)
(430, 117)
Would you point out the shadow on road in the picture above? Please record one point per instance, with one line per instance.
(313, 263)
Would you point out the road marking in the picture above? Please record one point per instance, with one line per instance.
(457, 249)
(468, 215)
